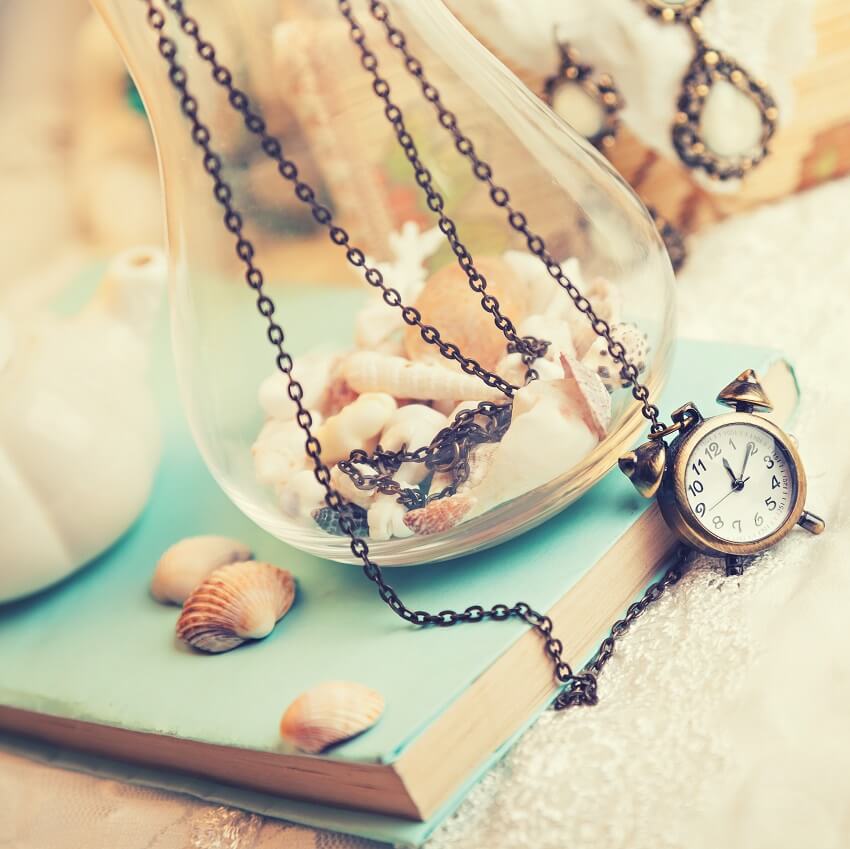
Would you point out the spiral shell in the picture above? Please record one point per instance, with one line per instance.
(188, 562)
(330, 713)
(369, 371)
(238, 602)
(448, 304)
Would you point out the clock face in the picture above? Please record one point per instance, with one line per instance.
(741, 483)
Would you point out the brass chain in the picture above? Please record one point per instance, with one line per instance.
(576, 688)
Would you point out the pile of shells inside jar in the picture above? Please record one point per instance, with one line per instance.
(394, 392)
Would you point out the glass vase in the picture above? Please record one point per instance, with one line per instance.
(300, 68)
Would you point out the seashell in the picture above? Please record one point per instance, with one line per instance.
(239, 602)
(589, 394)
(301, 494)
(455, 310)
(279, 451)
(599, 360)
(513, 369)
(356, 426)
(377, 325)
(543, 294)
(343, 484)
(314, 372)
(338, 396)
(439, 515)
(386, 518)
(554, 330)
(368, 371)
(188, 562)
(410, 427)
(606, 301)
(328, 520)
(330, 713)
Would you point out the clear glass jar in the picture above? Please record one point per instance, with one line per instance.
(299, 66)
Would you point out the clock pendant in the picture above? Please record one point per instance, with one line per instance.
(731, 485)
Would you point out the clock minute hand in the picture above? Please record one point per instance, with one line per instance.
(737, 487)
(749, 451)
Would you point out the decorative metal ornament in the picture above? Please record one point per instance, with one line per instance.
(711, 79)
(672, 238)
(745, 394)
(709, 69)
(590, 103)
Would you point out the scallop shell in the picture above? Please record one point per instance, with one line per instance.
(440, 515)
(369, 371)
(183, 566)
(599, 360)
(455, 310)
(330, 713)
(186, 563)
(239, 602)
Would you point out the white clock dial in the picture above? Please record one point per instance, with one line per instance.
(740, 483)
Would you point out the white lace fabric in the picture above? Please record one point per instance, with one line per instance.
(723, 714)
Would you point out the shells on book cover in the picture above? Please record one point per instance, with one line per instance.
(355, 426)
(448, 304)
(188, 562)
(439, 515)
(599, 360)
(330, 713)
(238, 602)
(371, 371)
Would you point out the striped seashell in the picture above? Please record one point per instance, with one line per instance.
(369, 371)
(440, 515)
(238, 602)
(329, 714)
(188, 562)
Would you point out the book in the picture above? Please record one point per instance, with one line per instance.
(91, 675)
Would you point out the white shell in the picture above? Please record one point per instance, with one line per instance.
(279, 451)
(355, 426)
(513, 369)
(79, 428)
(554, 330)
(731, 122)
(342, 483)
(188, 562)
(313, 371)
(368, 371)
(330, 713)
(386, 518)
(238, 602)
(301, 494)
(412, 426)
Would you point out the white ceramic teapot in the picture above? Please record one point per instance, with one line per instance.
(79, 429)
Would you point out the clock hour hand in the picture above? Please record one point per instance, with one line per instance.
(729, 469)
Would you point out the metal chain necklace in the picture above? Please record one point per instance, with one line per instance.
(452, 445)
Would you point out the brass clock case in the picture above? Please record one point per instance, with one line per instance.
(672, 496)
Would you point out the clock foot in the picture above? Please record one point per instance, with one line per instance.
(812, 523)
(734, 565)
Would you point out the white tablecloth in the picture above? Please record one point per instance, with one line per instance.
(723, 716)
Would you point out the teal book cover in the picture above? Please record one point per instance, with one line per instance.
(97, 649)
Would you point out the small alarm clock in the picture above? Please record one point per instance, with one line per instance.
(731, 485)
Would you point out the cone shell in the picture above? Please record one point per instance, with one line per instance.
(188, 562)
(330, 713)
(448, 304)
(239, 602)
(440, 515)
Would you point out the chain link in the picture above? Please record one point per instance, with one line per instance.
(576, 688)
(517, 220)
